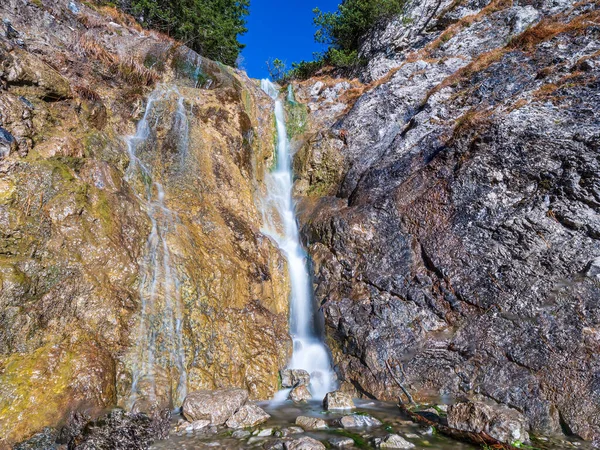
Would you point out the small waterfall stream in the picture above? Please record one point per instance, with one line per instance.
(279, 219)
(159, 349)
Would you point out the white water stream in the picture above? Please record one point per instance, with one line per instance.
(159, 347)
(279, 221)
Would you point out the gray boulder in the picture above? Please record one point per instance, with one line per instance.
(247, 416)
(341, 442)
(294, 377)
(300, 394)
(338, 400)
(311, 423)
(304, 443)
(216, 406)
(395, 441)
(504, 424)
(359, 421)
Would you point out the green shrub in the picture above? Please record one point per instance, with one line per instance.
(343, 58)
(211, 27)
(343, 29)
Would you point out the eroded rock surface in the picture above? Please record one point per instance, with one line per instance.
(77, 259)
(503, 424)
(450, 209)
(217, 406)
(338, 400)
(311, 423)
(247, 416)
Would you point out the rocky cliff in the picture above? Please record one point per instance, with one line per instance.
(450, 205)
(449, 200)
(131, 268)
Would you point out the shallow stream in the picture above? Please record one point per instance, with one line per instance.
(283, 415)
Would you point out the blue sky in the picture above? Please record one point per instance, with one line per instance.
(280, 29)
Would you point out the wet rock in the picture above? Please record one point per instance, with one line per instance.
(120, 430)
(338, 400)
(288, 431)
(504, 424)
(300, 394)
(8, 144)
(247, 416)
(294, 377)
(341, 442)
(46, 440)
(197, 425)
(217, 406)
(304, 443)
(394, 441)
(359, 421)
(311, 423)
(265, 432)
(241, 434)
(90, 226)
(278, 444)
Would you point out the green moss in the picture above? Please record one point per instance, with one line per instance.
(247, 102)
(103, 211)
(325, 177)
(40, 398)
(359, 441)
(297, 119)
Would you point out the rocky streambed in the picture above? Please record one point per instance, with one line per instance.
(227, 419)
(309, 425)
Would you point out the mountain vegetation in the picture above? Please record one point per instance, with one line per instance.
(211, 27)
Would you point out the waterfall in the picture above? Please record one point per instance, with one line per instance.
(159, 346)
(279, 219)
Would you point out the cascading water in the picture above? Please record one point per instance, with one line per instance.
(159, 346)
(309, 352)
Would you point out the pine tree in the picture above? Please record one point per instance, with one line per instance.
(211, 27)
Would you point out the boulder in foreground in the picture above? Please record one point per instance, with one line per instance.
(217, 406)
(338, 400)
(503, 424)
(248, 416)
(311, 423)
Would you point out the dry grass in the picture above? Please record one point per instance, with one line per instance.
(467, 21)
(128, 69)
(94, 49)
(120, 17)
(471, 120)
(133, 72)
(551, 27)
(90, 22)
(87, 93)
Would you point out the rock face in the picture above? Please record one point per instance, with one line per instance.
(99, 255)
(450, 209)
(504, 424)
(217, 406)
